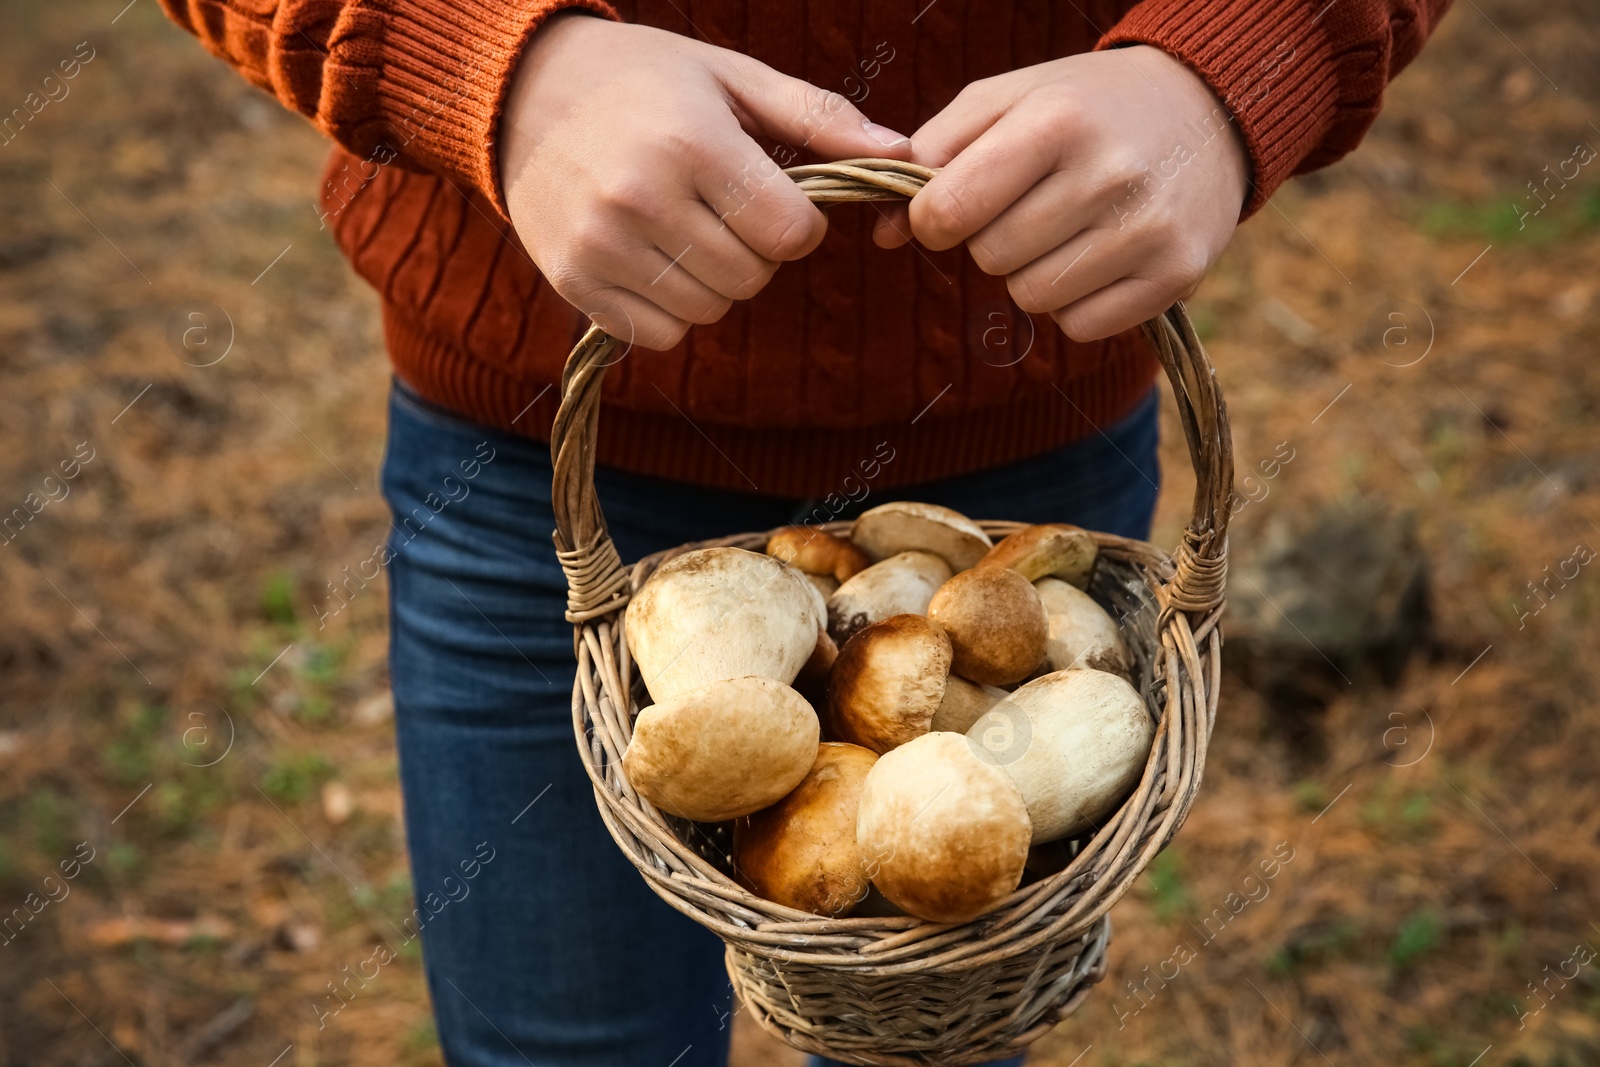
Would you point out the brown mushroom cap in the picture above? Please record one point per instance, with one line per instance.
(812, 681)
(801, 851)
(888, 682)
(1081, 632)
(1056, 549)
(903, 525)
(995, 622)
(964, 703)
(942, 832)
(902, 584)
(717, 613)
(727, 749)
(1074, 742)
(817, 552)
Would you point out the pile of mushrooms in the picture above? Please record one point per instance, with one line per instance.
(892, 721)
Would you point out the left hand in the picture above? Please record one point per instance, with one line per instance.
(1102, 186)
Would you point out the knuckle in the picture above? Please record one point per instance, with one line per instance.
(749, 287)
(790, 236)
(710, 311)
(945, 216)
(625, 193)
(1029, 294)
(987, 259)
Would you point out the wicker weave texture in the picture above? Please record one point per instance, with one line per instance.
(899, 990)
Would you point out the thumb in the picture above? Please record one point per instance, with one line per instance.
(806, 116)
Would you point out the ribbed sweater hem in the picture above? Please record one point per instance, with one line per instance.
(804, 462)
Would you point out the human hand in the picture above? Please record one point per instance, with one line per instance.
(632, 182)
(1102, 186)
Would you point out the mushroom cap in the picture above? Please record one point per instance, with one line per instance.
(903, 524)
(817, 552)
(902, 584)
(717, 613)
(1074, 742)
(801, 851)
(942, 832)
(964, 703)
(727, 749)
(1066, 552)
(812, 681)
(888, 682)
(995, 622)
(1081, 632)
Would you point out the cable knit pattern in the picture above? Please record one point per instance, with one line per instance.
(845, 355)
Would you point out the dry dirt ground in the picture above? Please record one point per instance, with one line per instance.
(218, 773)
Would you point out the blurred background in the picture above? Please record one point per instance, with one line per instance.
(1409, 731)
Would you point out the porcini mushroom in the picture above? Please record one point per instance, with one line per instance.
(1081, 633)
(887, 682)
(892, 682)
(812, 681)
(801, 851)
(995, 622)
(903, 525)
(942, 831)
(901, 584)
(828, 561)
(1074, 742)
(717, 613)
(964, 703)
(724, 750)
(1056, 549)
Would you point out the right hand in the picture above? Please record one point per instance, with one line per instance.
(632, 182)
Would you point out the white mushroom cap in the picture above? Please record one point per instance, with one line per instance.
(888, 682)
(801, 851)
(727, 749)
(995, 622)
(942, 832)
(902, 525)
(1057, 549)
(1074, 742)
(1082, 633)
(903, 584)
(717, 613)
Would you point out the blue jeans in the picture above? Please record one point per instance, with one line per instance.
(542, 944)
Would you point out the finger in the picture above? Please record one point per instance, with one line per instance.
(661, 279)
(1087, 263)
(1046, 217)
(1119, 306)
(988, 176)
(633, 320)
(893, 227)
(799, 113)
(712, 253)
(974, 110)
(755, 199)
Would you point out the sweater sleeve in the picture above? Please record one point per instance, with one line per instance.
(1303, 79)
(419, 82)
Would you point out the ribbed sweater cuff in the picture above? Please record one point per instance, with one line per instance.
(443, 73)
(1272, 68)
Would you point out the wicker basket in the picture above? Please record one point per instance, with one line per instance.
(901, 990)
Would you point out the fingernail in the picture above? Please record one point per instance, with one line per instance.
(883, 134)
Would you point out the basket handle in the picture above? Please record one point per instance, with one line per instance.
(597, 583)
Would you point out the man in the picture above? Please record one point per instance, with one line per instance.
(509, 170)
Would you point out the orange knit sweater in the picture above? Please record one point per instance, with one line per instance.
(850, 348)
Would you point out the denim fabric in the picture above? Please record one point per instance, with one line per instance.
(553, 951)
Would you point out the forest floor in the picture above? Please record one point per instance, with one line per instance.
(218, 772)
